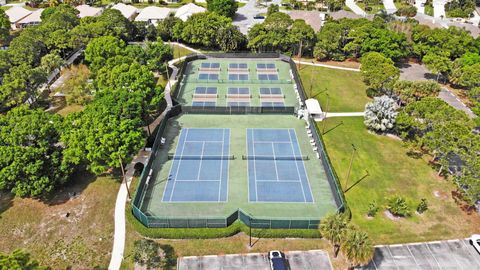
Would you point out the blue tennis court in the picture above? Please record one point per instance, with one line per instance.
(199, 171)
(276, 172)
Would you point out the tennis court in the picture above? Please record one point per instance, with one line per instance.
(276, 169)
(199, 172)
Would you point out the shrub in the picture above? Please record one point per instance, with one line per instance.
(409, 11)
(422, 206)
(398, 206)
(372, 209)
(147, 253)
(380, 114)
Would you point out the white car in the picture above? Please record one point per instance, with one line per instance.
(277, 260)
(475, 241)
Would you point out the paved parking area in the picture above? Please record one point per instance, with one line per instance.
(451, 255)
(297, 260)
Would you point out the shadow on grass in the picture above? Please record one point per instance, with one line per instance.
(6, 201)
(78, 182)
(333, 128)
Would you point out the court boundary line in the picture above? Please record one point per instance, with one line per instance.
(178, 166)
(296, 165)
(305, 168)
(170, 171)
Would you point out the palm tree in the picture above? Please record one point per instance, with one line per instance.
(356, 247)
(332, 228)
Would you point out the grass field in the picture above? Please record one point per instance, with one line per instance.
(70, 109)
(180, 51)
(83, 240)
(391, 171)
(372, 9)
(345, 88)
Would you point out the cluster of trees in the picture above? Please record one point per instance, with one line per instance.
(19, 259)
(428, 124)
(460, 8)
(355, 245)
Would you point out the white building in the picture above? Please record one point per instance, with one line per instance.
(15, 14)
(152, 15)
(127, 11)
(32, 19)
(88, 11)
(184, 12)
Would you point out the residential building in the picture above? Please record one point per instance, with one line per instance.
(16, 14)
(88, 11)
(184, 12)
(127, 11)
(152, 15)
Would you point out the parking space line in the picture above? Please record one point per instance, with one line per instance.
(431, 253)
(454, 257)
(391, 254)
(412, 256)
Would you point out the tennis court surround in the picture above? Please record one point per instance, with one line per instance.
(213, 169)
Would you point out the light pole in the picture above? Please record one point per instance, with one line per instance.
(250, 233)
(350, 166)
(325, 119)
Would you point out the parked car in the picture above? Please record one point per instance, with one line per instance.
(259, 17)
(475, 242)
(277, 260)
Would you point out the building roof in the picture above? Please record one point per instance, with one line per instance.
(313, 107)
(152, 13)
(17, 13)
(344, 14)
(88, 11)
(126, 10)
(312, 18)
(187, 10)
(34, 17)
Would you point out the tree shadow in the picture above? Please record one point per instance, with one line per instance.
(333, 128)
(79, 181)
(239, 17)
(6, 201)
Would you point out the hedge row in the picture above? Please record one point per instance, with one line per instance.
(208, 233)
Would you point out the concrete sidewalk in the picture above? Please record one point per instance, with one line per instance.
(355, 8)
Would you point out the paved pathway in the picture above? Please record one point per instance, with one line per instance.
(449, 97)
(355, 8)
(244, 16)
(143, 157)
(439, 8)
(451, 254)
(324, 65)
(389, 6)
(420, 5)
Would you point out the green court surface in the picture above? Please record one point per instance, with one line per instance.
(238, 172)
(223, 82)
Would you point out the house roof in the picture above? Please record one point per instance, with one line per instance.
(344, 14)
(126, 10)
(34, 17)
(17, 13)
(152, 13)
(187, 10)
(86, 11)
(312, 18)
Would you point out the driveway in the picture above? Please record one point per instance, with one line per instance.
(297, 260)
(455, 102)
(451, 255)
(355, 8)
(244, 16)
(439, 8)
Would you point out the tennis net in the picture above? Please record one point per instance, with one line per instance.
(257, 157)
(202, 157)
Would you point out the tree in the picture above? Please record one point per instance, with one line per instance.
(203, 28)
(51, 61)
(100, 49)
(19, 259)
(147, 253)
(114, 24)
(271, 34)
(77, 88)
(332, 227)
(166, 26)
(229, 39)
(225, 8)
(380, 114)
(272, 9)
(378, 72)
(4, 28)
(410, 91)
(31, 157)
(357, 247)
(329, 44)
(439, 63)
(27, 48)
(303, 36)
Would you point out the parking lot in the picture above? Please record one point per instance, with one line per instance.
(297, 260)
(453, 254)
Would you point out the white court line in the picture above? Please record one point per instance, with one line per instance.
(201, 161)
(304, 168)
(254, 166)
(221, 167)
(393, 258)
(196, 180)
(459, 265)
(170, 172)
(267, 142)
(296, 165)
(278, 181)
(205, 141)
(274, 161)
(477, 258)
(178, 167)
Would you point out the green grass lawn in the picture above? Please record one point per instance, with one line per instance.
(372, 9)
(392, 172)
(83, 240)
(346, 91)
(70, 109)
(180, 51)
(429, 9)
